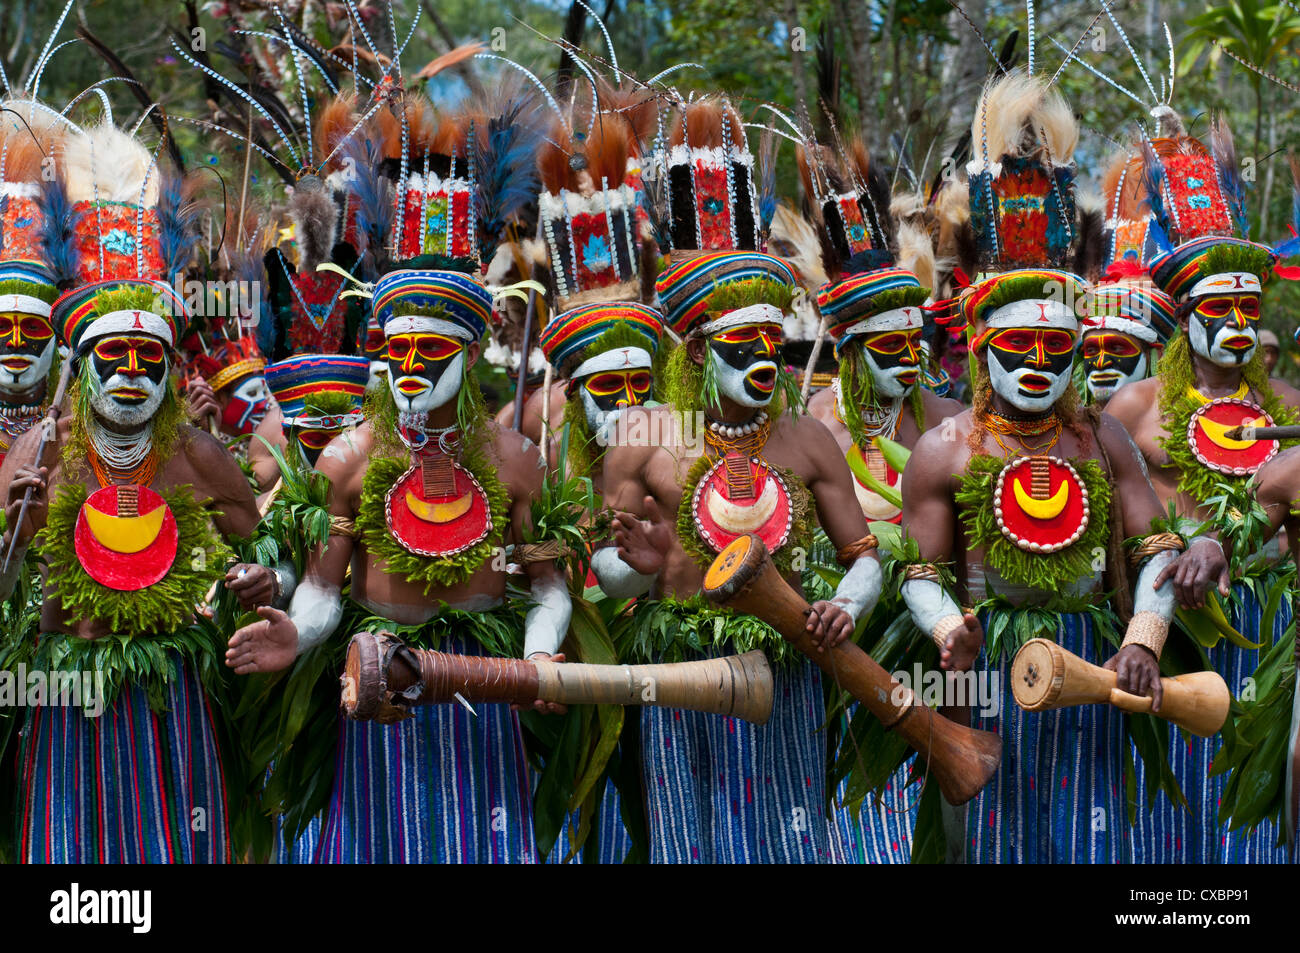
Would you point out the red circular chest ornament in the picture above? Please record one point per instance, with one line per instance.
(126, 537)
(740, 495)
(1040, 504)
(437, 514)
(1207, 436)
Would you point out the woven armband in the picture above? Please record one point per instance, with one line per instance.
(849, 554)
(1148, 629)
(551, 549)
(343, 526)
(1156, 543)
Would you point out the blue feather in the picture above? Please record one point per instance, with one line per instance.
(178, 222)
(367, 184)
(1157, 234)
(1153, 183)
(506, 165)
(58, 232)
(1224, 151)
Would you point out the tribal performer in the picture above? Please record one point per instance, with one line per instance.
(1209, 380)
(719, 790)
(130, 515)
(872, 306)
(1026, 493)
(423, 496)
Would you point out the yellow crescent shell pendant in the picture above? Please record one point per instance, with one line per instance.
(439, 512)
(125, 534)
(1217, 432)
(1047, 509)
(874, 506)
(739, 520)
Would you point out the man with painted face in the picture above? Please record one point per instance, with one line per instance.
(319, 397)
(231, 388)
(719, 790)
(423, 496)
(27, 346)
(876, 322)
(606, 354)
(1210, 380)
(129, 511)
(1021, 497)
(1123, 335)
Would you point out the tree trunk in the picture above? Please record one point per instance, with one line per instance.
(797, 56)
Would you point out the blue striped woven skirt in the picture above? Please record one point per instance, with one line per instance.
(1059, 796)
(1173, 835)
(610, 841)
(302, 850)
(128, 787)
(721, 790)
(880, 830)
(443, 786)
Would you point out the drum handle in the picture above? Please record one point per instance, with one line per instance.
(1133, 704)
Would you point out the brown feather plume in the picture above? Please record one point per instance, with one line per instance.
(553, 160)
(334, 123)
(702, 128)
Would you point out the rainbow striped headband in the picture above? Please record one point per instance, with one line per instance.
(1048, 298)
(1178, 271)
(569, 334)
(849, 305)
(686, 286)
(36, 277)
(297, 378)
(77, 319)
(1145, 313)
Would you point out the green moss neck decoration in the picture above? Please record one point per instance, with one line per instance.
(1048, 572)
(1176, 409)
(801, 519)
(583, 451)
(428, 571)
(857, 390)
(165, 606)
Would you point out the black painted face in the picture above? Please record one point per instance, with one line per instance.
(747, 361)
(424, 370)
(1111, 352)
(26, 350)
(1225, 328)
(129, 358)
(610, 390)
(311, 441)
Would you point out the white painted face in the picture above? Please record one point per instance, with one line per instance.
(744, 362)
(1223, 329)
(425, 370)
(21, 372)
(894, 359)
(145, 397)
(1030, 368)
(378, 379)
(434, 394)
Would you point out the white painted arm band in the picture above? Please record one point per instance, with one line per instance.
(1152, 607)
(547, 622)
(859, 590)
(617, 579)
(315, 610)
(933, 610)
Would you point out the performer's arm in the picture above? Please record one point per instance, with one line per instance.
(547, 622)
(272, 643)
(841, 517)
(1159, 581)
(16, 475)
(930, 516)
(641, 534)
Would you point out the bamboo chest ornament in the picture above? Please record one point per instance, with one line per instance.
(126, 537)
(1041, 504)
(1208, 436)
(437, 508)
